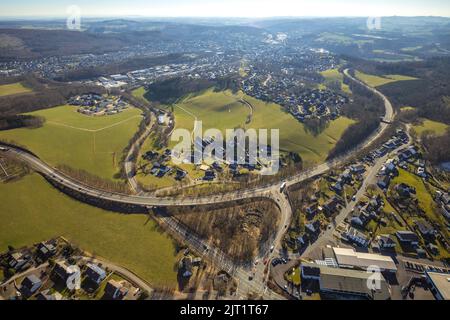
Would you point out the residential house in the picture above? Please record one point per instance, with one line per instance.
(30, 285)
(358, 169)
(185, 267)
(46, 250)
(313, 229)
(47, 296)
(407, 238)
(356, 237)
(95, 273)
(385, 241)
(404, 190)
(425, 229)
(63, 270)
(311, 211)
(17, 260)
(384, 182)
(331, 206)
(115, 290)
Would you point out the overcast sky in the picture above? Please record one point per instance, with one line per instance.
(227, 8)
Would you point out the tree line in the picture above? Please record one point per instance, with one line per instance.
(366, 107)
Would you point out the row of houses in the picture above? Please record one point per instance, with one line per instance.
(98, 105)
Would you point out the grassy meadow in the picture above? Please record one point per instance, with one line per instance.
(438, 128)
(222, 110)
(14, 88)
(335, 75)
(32, 211)
(377, 81)
(94, 144)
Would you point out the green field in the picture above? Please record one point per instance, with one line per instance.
(139, 93)
(333, 75)
(32, 211)
(376, 81)
(424, 197)
(438, 128)
(222, 110)
(94, 144)
(14, 88)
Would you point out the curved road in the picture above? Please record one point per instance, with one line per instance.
(263, 191)
(270, 191)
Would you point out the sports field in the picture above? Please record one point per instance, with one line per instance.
(32, 211)
(222, 110)
(377, 81)
(94, 144)
(14, 88)
(438, 128)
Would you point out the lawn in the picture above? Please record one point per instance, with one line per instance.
(333, 75)
(222, 110)
(94, 144)
(14, 88)
(424, 197)
(32, 211)
(294, 277)
(377, 81)
(140, 93)
(438, 128)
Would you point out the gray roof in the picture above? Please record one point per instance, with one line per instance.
(350, 282)
(441, 282)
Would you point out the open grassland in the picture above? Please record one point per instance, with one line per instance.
(438, 128)
(407, 108)
(140, 93)
(222, 110)
(14, 88)
(335, 75)
(32, 211)
(93, 144)
(424, 197)
(376, 81)
(293, 134)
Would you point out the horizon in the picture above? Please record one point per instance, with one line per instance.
(216, 17)
(227, 9)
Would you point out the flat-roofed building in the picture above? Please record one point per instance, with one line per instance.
(440, 284)
(349, 258)
(346, 283)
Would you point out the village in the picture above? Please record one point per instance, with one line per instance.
(97, 105)
(57, 270)
(355, 218)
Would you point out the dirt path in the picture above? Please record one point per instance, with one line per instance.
(92, 130)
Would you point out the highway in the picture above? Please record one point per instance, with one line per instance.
(270, 191)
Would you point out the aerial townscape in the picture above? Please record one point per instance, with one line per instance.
(346, 195)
